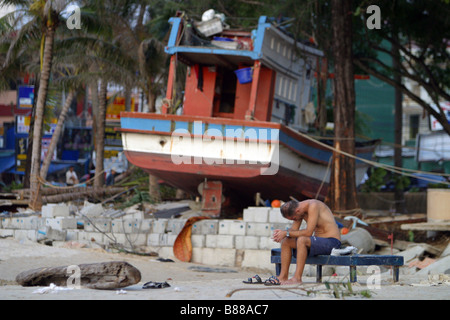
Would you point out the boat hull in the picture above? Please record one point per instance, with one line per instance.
(246, 156)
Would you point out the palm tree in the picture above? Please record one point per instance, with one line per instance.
(44, 17)
(144, 54)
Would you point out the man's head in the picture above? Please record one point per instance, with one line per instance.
(288, 209)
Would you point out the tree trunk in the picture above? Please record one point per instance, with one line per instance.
(399, 196)
(342, 192)
(56, 134)
(322, 76)
(36, 201)
(99, 180)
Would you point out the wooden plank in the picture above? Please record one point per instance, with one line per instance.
(427, 226)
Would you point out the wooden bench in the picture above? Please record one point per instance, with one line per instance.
(352, 261)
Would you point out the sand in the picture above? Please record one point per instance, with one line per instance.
(187, 284)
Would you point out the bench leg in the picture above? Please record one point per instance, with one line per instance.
(277, 269)
(352, 273)
(319, 273)
(396, 273)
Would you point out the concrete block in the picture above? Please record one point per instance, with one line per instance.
(53, 210)
(92, 210)
(160, 225)
(72, 235)
(146, 225)
(251, 242)
(171, 239)
(257, 259)
(232, 227)
(11, 223)
(97, 225)
(155, 239)
(211, 241)
(256, 214)
(279, 225)
(129, 225)
(224, 241)
(61, 223)
(25, 235)
(266, 243)
(198, 240)
(258, 229)
(4, 233)
(197, 227)
(32, 223)
(53, 234)
(275, 216)
(197, 255)
(117, 226)
(207, 226)
(219, 257)
(175, 225)
(135, 239)
(96, 237)
(239, 242)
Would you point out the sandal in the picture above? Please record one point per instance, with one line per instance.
(272, 281)
(250, 280)
(155, 285)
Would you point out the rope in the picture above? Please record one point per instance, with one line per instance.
(373, 163)
(391, 144)
(324, 177)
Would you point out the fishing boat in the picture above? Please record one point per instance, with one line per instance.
(242, 129)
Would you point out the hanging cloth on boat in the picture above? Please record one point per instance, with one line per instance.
(199, 72)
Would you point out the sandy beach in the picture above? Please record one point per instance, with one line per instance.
(194, 282)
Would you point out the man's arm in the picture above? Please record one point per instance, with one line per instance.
(294, 232)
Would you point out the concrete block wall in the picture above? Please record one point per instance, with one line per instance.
(223, 242)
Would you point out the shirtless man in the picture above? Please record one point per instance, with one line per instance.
(320, 236)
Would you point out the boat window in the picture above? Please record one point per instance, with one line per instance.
(225, 91)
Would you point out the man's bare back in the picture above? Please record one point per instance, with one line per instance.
(326, 226)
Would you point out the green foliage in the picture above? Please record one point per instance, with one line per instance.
(401, 182)
(13, 186)
(375, 181)
(340, 290)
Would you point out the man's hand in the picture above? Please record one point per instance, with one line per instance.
(279, 235)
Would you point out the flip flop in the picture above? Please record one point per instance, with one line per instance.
(272, 281)
(155, 285)
(250, 280)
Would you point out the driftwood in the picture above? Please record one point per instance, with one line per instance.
(105, 275)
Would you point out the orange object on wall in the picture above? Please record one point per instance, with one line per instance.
(276, 204)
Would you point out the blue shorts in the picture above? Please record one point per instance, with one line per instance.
(323, 245)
